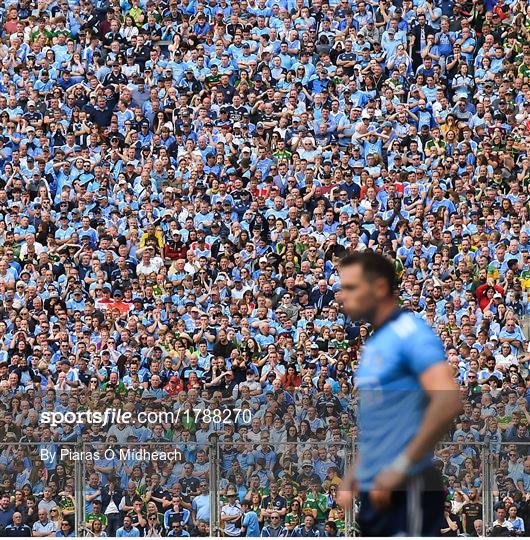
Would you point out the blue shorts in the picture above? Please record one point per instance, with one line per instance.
(416, 510)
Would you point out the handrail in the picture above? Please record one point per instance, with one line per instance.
(488, 460)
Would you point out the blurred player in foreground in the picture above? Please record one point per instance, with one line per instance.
(408, 400)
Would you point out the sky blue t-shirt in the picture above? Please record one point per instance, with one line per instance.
(250, 521)
(392, 401)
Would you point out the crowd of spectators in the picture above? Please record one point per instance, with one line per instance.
(178, 180)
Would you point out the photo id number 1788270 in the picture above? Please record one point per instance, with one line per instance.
(217, 416)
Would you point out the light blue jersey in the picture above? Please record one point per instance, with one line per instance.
(250, 521)
(392, 401)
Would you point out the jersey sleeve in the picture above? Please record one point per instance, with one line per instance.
(422, 348)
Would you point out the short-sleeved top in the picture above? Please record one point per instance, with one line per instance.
(392, 400)
(47, 527)
(472, 511)
(319, 504)
(278, 503)
(250, 521)
(231, 529)
(101, 517)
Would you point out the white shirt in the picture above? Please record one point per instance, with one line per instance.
(238, 295)
(39, 248)
(154, 265)
(229, 510)
(121, 434)
(43, 528)
(506, 361)
(506, 524)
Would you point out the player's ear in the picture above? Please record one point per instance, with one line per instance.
(380, 288)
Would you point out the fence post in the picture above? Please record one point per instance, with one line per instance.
(349, 513)
(214, 484)
(487, 500)
(79, 515)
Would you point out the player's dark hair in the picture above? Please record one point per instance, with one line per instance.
(373, 266)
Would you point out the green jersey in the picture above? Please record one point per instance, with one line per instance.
(318, 503)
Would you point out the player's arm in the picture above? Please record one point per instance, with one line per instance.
(444, 405)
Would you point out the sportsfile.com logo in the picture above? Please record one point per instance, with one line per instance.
(117, 416)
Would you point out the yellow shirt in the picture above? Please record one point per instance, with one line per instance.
(136, 14)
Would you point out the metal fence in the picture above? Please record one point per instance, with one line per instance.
(149, 465)
(507, 482)
(464, 468)
(492, 470)
(485, 477)
(297, 471)
(471, 472)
